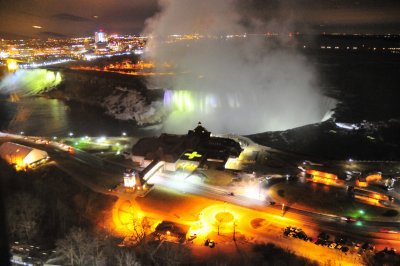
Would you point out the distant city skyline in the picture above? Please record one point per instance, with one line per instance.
(49, 18)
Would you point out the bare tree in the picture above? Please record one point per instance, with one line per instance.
(125, 257)
(140, 231)
(172, 254)
(24, 213)
(79, 248)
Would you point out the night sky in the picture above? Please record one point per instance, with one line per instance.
(60, 18)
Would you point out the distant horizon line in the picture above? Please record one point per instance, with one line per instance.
(271, 33)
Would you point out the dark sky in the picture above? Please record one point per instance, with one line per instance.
(83, 17)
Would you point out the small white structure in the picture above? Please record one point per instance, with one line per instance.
(22, 156)
(131, 179)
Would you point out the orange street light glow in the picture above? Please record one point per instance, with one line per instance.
(124, 213)
(219, 218)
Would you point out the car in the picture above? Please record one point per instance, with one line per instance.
(348, 219)
(342, 240)
(332, 245)
(211, 243)
(367, 247)
(290, 229)
(344, 249)
(298, 230)
(360, 252)
(323, 236)
(301, 235)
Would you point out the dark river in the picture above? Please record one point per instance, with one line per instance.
(50, 117)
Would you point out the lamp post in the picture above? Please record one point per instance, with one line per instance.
(234, 231)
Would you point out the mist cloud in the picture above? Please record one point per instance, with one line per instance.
(240, 85)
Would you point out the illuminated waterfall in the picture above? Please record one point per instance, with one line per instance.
(30, 82)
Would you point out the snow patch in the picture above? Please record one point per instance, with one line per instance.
(125, 104)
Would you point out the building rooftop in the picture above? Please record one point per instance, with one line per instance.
(170, 148)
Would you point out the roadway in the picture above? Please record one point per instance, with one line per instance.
(99, 175)
(311, 221)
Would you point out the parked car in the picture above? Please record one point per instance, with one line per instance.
(344, 249)
(209, 243)
(323, 236)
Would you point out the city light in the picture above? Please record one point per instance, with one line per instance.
(101, 139)
(12, 65)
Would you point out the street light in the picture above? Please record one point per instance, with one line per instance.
(234, 231)
(71, 134)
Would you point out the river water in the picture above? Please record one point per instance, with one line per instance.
(365, 85)
(50, 117)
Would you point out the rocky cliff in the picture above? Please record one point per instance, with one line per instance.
(123, 97)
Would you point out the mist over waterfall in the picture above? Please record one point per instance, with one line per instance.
(29, 82)
(230, 79)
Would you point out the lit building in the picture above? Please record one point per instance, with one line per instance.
(100, 36)
(131, 179)
(322, 177)
(363, 181)
(21, 156)
(186, 152)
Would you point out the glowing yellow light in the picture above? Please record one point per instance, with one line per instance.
(12, 65)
